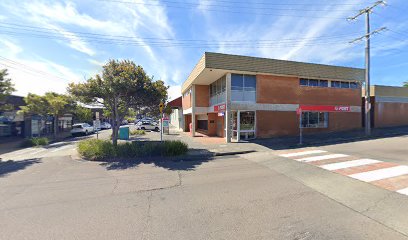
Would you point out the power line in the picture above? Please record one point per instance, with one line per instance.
(206, 6)
(236, 12)
(27, 69)
(47, 33)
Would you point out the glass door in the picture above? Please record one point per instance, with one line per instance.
(246, 125)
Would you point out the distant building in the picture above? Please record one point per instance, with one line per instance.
(176, 116)
(389, 106)
(12, 122)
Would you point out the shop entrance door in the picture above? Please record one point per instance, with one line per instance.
(243, 125)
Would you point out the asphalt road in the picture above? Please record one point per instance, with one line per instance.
(45, 194)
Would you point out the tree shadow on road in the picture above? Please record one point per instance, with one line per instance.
(185, 163)
(7, 167)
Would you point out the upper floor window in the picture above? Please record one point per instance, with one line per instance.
(314, 82)
(217, 91)
(243, 88)
(325, 83)
(186, 93)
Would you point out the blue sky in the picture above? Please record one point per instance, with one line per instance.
(47, 44)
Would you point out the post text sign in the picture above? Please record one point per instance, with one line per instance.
(323, 108)
(219, 108)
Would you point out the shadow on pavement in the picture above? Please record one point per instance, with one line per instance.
(323, 139)
(10, 166)
(188, 162)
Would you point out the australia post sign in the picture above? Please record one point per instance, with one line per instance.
(219, 108)
(324, 108)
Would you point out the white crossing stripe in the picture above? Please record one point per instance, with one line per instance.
(319, 158)
(348, 164)
(36, 152)
(381, 173)
(296, 154)
(403, 191)
(61, 148)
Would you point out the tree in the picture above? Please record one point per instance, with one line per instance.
(120, 86)
(405, 84)
(50, 104)
(82, 114)
(6, 88)
(57, 105)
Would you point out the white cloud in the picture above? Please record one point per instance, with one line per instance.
(96, 62)
(10, 47)
(174, 92)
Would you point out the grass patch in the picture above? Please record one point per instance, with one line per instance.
(36, 141)
(137, 132)
(93, 149)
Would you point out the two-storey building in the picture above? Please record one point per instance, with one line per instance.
(241, 97)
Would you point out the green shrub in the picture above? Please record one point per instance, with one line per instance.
(175, 148)
(36, 141)
(94, 149)
(137, 132)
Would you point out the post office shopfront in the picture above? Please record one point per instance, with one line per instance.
(240, 97)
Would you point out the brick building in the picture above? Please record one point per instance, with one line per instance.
(240, 97)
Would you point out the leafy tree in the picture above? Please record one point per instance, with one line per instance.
(50, 104)
(405, 84)
(58, 104)
(120, 86)
(82, 114)
(6, 88)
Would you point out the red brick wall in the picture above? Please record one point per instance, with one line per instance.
(202, 93)
(287, 90)
(212, 124)
(390, 114)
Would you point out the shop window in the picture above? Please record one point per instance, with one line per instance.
(315, 119)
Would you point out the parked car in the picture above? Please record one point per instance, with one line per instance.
(125, 122)
(105, 125)
(82, 128)
(147, 125)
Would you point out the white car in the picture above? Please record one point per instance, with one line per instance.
(82, 128)
(105, 125)
(148, 126)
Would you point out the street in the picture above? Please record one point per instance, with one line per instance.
(45, 194)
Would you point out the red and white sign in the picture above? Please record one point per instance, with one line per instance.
(298, 111)
(323, 108)
(219, 108)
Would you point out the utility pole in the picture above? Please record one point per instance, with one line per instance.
(367, 11)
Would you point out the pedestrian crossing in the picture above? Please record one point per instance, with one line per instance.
(387, 175)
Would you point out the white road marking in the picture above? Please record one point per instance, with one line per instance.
(302, 153)
(348, 164)
(319, 158)
(403, 191)
(61, 148)
(381, 173)
(36, 152)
